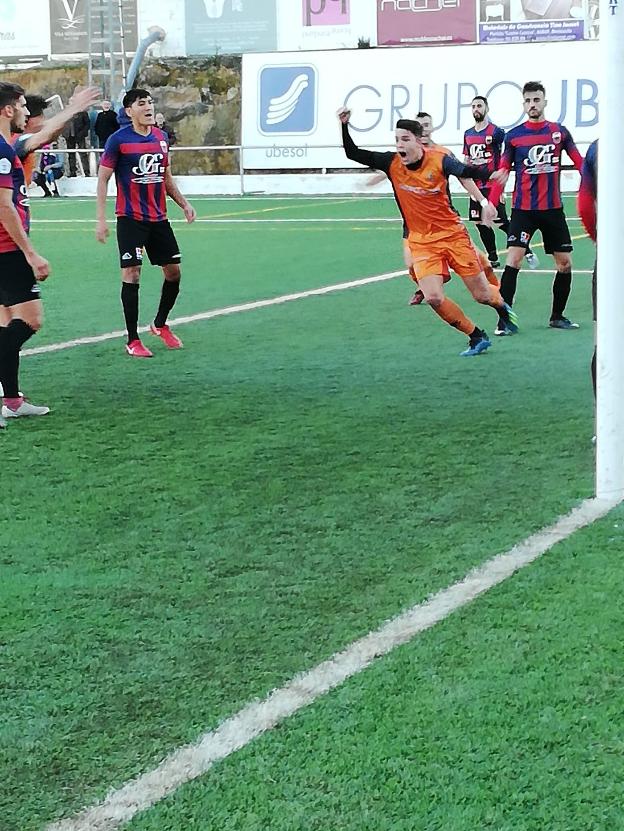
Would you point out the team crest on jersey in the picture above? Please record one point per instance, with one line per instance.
(163, 146)
(556, 137)
(24, 201)
(149, 170)
(488, 139)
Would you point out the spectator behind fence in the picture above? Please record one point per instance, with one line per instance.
(162, 125)
(75, 134)
(105, 124)
(51, 167)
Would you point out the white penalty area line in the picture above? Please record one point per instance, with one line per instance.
(192, 760)
(241, 307)
(248, 220)
(227, 310)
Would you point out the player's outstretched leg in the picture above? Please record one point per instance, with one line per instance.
(168, 297)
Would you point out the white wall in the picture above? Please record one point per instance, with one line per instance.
(381, 85)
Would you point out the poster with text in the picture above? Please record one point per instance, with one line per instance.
(521, 21)
(70, 26)
(230, 27)
(426, 22)
(24, 29)
(326, 24)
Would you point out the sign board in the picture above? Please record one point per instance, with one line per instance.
(290, 100)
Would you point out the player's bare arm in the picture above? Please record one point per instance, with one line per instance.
(53, 127)
(9, 218)
(178, 197)
(488, 211)
(101, 229)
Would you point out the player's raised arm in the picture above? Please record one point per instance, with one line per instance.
(378, 161)
(53, 127)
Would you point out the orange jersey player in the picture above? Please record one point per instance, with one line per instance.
(437, 238)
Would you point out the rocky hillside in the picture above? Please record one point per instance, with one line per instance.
(200, 99)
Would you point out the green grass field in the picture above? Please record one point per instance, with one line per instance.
(183, 535)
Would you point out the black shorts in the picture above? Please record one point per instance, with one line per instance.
(157, 238)
(474, 209)
(17, 280)
(551, 222)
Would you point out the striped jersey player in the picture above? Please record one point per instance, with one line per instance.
(533, 150)
(483, 147)
(138, 155)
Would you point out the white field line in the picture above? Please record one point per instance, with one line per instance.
(249, 220)
(241, 307)
(227, 310)
(192, 760)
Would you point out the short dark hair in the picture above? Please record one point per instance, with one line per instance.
(423, 114)
(36, 104)
(133, 95)
(410, 125)
(533, 86)
(9, 93)
(481, 98)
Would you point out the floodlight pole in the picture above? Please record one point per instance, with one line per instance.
(610, 329)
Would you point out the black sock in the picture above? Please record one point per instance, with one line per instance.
(489, 241)
(130, 303)
(508, 284)
(14, 336)
(561, 292)
(170, 291)
(476, 334)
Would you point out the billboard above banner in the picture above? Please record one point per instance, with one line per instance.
(522, 21)
(422, 22)
(24, 29)
(230, 27)
(326, 24)
(290, 100)
(69, 25)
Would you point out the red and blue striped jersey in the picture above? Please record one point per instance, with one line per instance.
(533, 151)
(588, 190)
(139, 163)
(483, 148)
(12, 178)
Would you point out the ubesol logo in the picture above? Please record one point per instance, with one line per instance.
(287, 100)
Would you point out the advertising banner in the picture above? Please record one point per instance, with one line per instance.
(326, 24)
(24, 29)
(521, 21)
(70, 26)
(426, 21)
(230, 27)
(290, 99)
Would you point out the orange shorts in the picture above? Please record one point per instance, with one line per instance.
(406, 247)
(455, 251)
